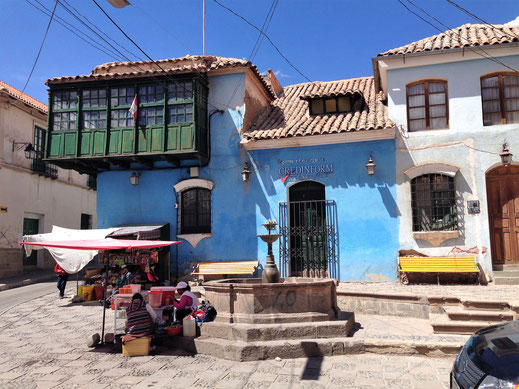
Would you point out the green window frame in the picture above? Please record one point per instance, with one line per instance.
(40, 135)
(121, 99)
(93, 108)
(64, 110)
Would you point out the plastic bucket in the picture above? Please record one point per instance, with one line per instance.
(99, 292)
(136, 288)
(87, 292)
(155, 298)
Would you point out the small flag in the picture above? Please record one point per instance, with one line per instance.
(133, 108)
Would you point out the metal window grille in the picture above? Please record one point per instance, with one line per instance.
(195, 211)
(433, 203)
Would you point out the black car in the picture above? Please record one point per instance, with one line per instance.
(489, 359)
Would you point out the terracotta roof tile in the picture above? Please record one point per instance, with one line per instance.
(187, 64)
(468, 35)
(289, 116)
(17, 94)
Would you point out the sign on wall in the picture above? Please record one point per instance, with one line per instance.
(304, 169)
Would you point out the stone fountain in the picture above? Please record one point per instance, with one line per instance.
(269, 317)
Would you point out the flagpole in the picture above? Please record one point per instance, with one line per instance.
(203, 27)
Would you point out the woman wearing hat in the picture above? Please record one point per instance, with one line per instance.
(188, 302)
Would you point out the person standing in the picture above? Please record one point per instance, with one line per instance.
(62, 279)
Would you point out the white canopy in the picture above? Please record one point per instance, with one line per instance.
(71, 261)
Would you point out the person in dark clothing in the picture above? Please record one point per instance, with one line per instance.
(62, 280)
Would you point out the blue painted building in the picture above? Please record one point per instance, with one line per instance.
(218, 158)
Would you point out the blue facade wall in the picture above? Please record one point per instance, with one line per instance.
(367, 213)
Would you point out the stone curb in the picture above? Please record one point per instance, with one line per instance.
(28, 281)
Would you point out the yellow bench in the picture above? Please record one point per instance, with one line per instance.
(436, 265)
(226, 268)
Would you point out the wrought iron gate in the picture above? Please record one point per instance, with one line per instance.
(309, 243)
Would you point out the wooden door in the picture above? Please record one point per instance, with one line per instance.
(503, 211)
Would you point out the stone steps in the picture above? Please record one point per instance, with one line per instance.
(487, 305)
(442, 325)
(506, 280)
(293, 348)
(506, 275)
(267, 332)
(460, 314)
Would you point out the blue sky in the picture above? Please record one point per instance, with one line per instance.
(325, 40)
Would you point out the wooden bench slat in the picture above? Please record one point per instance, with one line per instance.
(217, 268)
(438, 264)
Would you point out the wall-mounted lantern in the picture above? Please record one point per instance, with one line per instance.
(134, 178)
(506, 155)
(245, 173)
(370, 166)
(29, 151)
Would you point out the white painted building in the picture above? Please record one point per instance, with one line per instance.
(34, 195)
(455, 100)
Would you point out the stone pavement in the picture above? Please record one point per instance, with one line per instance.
(480, 292)
(43, 344)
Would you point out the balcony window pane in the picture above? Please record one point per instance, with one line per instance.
(437, 98)
(437, 111)
(511, 91)
(121, 118)
(417, 125)
(418, 89)
(490, 93)
(510, 80)
(512, 117)
(490, 82)
(435, 87)
(417, 101)
(344, 103)
(416, 113)
(438, 123)
(122, 96)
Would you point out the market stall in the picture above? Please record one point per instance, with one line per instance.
(112, 252)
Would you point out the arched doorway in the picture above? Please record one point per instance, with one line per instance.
(503, 214)
(308, 228)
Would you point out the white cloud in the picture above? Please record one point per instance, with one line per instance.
(280, 74)
(514, 22)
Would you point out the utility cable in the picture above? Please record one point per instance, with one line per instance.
(266, 36)
(41, 46)
(149, 58)
(256, 46)
(98, 29)
(70, 28)
(476, 51)
(513, 36)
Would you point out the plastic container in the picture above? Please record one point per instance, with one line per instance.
(189, 326)
(99, 292)
(136, 288)
(137, 347)
(155, 298)
(87, 292)
(168, 294)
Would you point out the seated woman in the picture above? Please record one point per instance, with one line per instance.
(188, 302)
(139, 319)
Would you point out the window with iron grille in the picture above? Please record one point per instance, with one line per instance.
(40, 135)
(433, 203)
(500, 97)
(195, 211)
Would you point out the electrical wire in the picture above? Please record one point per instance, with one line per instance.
(477, 51)
(513, 36)
(101, 31)
(69, 27)
(150, 59)
(256, 46)
(41, 46)
(267, 37)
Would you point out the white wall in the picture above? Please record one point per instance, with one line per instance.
(58, 201)
(467, 144)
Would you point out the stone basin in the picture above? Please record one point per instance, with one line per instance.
(293, 299)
